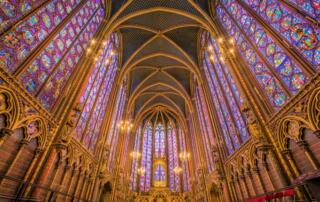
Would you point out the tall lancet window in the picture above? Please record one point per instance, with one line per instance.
(184, 157)
(145, 179)
(113, 134)
(301, 32)
(173, 157)
(205, 127)
(54, 34)
(135, 162)
(279, 45)
(225, 95)
(95, 94)
(159, 143)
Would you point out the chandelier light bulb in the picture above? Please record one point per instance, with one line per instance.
(135, 154)
(211, 58)
(177, 170)
(184, 155)
(141, 171)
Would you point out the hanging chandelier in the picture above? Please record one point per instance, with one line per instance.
(184, 156)
(125, 125)
(135, 155)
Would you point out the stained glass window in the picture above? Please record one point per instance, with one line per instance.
(159, 165)
(19, 41)
(225, 94)
(159, 141)
(204, 132)
(294, 28)
(95, 95)
(12, 11)
(184, 163)
(46, 76)
(135, 162)
(277, 72)
(174, 181)
(57, 80)
(145, 179)
(113, 134)
(310, 7)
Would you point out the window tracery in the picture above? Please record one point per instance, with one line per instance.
(95, 95)
(159, 165)
(225, 95)
(47, 74)
(268, 34)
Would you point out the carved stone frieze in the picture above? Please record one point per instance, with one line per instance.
(19, 115)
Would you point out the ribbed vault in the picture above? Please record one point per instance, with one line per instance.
(159, 53)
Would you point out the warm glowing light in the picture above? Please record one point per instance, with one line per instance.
(221, 58)
(125, 125)
(104, 43)
(231, 50)
(135, 155)
(112, 53)
(184, 155)
(93, 41)
(158, 183)
(141, 171)
(231, 41)
(177, 170)
(88, 50)
(107, 61)
(95, 58)
(211, 58)
(220, 40)
(210, 48)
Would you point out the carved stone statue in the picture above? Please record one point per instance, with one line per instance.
(68, 129)
(253, 124)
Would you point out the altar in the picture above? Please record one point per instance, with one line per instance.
(159, 194)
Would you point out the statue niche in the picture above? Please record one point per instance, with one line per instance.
(253, 124)
(69, 128)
